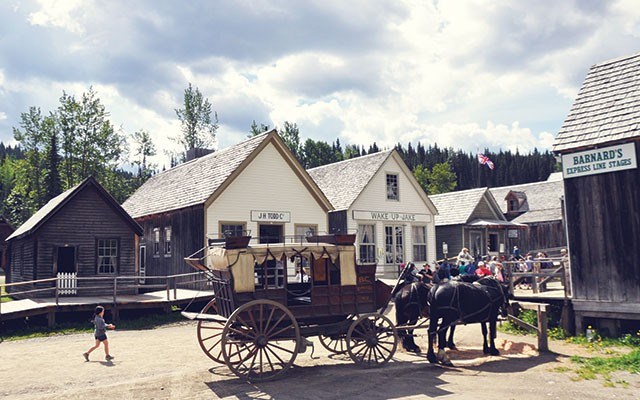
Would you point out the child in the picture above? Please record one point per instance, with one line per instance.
(100, 333)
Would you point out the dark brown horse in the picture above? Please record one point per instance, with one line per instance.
(460, 302)
(410, 304)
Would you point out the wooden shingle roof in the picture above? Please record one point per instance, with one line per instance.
(198, 181)
(607, 109)
(58, 202)
(543, 200)
(456, 208)
(342, 182)
(190, 183)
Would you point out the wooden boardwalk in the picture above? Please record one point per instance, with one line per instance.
(47, 306)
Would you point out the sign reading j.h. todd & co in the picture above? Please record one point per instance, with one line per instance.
(270, 216)
(391, 216)
(599, 161)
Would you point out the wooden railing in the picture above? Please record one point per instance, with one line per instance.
(119, 284)
(538, 278)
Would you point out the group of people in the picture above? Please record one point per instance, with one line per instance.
(445, 270)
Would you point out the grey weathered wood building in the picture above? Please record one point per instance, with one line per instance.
(600, 145)
(472, 219)
(83, 231)
(538, 205)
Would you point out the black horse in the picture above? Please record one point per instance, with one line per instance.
(411, 303)
(461, 302)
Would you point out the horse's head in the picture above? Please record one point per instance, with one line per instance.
(506, 295)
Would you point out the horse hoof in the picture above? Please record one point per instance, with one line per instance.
(486, 352)
(417, 349)
(494, 352)
(432, 358)
(446, 363)
(452, 346)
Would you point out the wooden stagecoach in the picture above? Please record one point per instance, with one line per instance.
(263, 312)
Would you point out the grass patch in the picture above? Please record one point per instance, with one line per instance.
(591, 368)
(3, 292)
(150, 321)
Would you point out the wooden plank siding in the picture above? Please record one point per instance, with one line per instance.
(603, 217)
(86, 218)
(452, 235)
(187, 237)
(543, 235)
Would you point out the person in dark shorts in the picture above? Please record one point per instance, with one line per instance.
(100, 334)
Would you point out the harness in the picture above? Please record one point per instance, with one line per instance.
(454, 305)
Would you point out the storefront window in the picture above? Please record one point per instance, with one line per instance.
(394, 244)
(231, 230)
(367, 243)
(419, 243)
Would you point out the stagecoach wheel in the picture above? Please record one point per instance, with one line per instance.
(337, 344)
(372, 340)
(210, 334)
(260, 340)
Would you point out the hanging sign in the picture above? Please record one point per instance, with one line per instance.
(599, 161)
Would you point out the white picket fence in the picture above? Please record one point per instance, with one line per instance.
(67, 283)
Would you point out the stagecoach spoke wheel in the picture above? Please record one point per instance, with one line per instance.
(372, 340)
(260, 340)
(210, 334)
(337, 344)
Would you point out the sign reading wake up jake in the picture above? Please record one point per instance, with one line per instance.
(599, 161)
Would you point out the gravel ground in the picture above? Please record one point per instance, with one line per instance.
(167, 363)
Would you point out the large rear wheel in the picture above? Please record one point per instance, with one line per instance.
(372, 340)
(260, 340)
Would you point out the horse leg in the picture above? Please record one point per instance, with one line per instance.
(433, 326)
(492, 330)
(485, 346)
(412, 342)
(442, 344)
(450, 343)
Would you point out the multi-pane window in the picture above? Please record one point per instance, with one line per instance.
(167, 240)
(232, 230)
(392, 187)
(419, 243)
(107, 256)
(156, 241)
(367, 246)
(302, 231)
(394, 244)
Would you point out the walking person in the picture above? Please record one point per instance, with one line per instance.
(100, 334)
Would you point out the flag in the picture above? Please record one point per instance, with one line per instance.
(484, 160)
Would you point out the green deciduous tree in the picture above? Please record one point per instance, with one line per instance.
(143, 148)
(441, 179)
(199, 122)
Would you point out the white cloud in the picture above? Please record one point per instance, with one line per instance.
(60, 14)
(468, 74)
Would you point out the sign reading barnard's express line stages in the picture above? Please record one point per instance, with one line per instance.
(599, 161)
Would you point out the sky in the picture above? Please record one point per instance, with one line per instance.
(469, 74)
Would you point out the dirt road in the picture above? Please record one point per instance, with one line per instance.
(167, 363)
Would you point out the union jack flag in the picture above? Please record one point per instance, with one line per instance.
(484, 160)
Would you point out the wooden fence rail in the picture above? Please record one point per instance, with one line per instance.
(118, 284)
